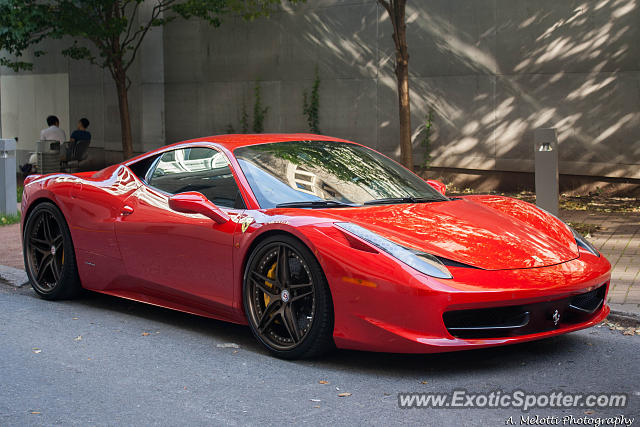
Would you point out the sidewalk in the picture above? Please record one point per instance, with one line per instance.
(618, 239)
(11, 246)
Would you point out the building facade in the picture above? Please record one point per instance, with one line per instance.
(491, 71)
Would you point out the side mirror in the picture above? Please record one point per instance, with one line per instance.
(193, 202)
(439, 186)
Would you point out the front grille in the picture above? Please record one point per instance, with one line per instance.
(589, 302)
(517, 320)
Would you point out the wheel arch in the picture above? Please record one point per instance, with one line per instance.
(260, 238)
(40, 200)
(265, 235)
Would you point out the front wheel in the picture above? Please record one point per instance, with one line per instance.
(287, 299)
(49, 257)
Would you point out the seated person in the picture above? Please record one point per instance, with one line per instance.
(53, 132)
(81, 133)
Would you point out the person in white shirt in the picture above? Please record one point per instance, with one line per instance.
(53, 132)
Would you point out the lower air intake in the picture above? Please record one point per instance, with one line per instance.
(517, 320)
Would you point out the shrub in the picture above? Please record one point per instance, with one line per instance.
(311, 105)
(259, 112)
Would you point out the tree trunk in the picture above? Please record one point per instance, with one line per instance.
(396, 10)
(120, 77)
(402, 74)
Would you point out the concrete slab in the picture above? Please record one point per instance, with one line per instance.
(13, 276)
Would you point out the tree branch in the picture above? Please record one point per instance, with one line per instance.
(392, 10)
(140, 34)
(386, 5)
(132, 19)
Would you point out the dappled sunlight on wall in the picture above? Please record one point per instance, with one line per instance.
(492, 71)
(556, 64)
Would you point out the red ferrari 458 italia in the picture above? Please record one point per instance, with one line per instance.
(314, 242)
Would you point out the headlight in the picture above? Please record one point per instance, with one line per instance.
(584, 243)
(421, 261)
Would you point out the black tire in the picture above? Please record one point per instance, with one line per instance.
(49, 256)
(288, 317)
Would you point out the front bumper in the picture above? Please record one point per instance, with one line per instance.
(387, 307)
(525, 319)
(406, 341)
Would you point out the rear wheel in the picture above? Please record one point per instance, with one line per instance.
(49, 256)
(287, 299)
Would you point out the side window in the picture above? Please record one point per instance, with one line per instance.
(197, 169)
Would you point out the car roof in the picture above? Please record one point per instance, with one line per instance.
(232, 141)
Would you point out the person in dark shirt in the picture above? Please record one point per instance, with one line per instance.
(81, 134)
(69, 149)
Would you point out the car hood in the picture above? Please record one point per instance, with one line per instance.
(488, 232)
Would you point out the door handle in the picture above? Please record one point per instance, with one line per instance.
(126, 210)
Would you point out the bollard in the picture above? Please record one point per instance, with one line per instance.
(545, 146)
(8, 202)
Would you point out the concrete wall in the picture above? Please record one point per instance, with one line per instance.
(25, 103)
(492, 71)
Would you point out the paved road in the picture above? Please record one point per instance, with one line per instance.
(142, 365)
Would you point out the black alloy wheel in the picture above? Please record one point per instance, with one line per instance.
(287, 299)
(49, 256)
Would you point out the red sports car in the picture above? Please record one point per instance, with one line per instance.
(313, 242)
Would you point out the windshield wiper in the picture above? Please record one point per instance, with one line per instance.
(396, 200)
(314, 204)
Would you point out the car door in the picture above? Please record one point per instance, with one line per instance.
(183, 258)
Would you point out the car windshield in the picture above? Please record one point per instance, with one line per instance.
(328, 174)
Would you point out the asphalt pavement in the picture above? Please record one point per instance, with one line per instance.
(105, 361)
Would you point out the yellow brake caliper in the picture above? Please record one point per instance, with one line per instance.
(271, 274)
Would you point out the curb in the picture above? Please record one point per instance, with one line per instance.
(13, 276)
(624, 318)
